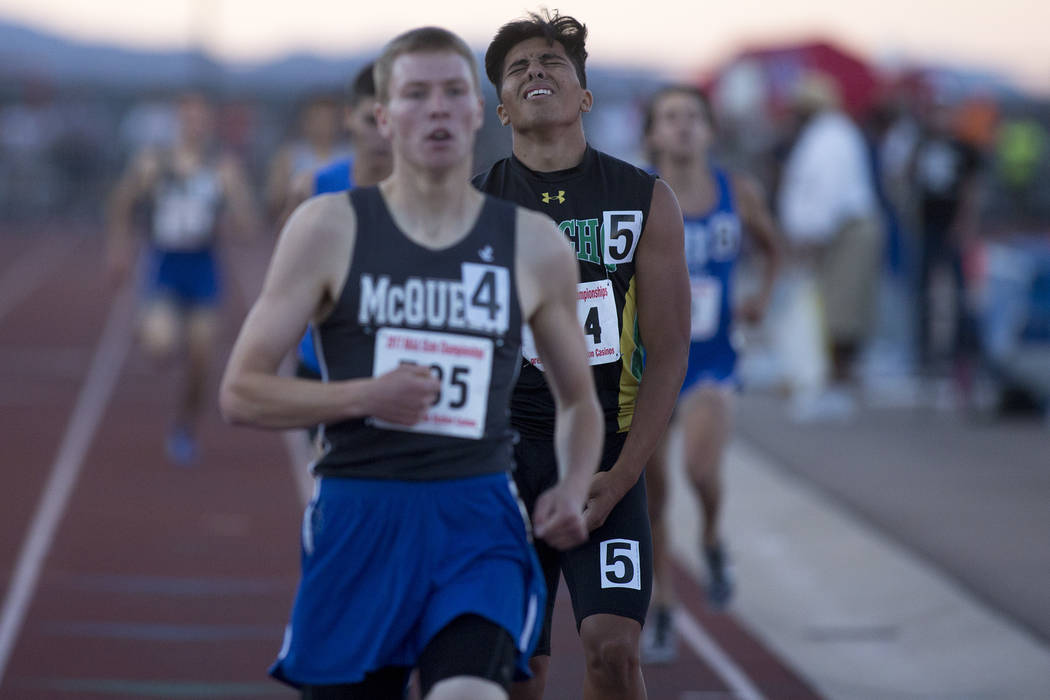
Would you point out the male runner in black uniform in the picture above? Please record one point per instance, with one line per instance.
(419, 288)
(633, 305)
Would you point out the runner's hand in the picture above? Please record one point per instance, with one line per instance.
(558, 518)
(601, 499)
(404, 395)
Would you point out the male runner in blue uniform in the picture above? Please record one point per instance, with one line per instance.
(717, 208)
(186, 189)
(633, 301)
(370, 163)
(416, 551)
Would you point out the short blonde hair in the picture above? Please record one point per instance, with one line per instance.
(421, 40)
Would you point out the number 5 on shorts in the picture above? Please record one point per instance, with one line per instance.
(620, 567)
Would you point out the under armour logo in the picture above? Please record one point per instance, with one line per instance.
(486, 254)
(559, 198)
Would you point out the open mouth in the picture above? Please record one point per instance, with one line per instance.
(537, 92)
(439, 135)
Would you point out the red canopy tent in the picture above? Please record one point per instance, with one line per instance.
(781, 68)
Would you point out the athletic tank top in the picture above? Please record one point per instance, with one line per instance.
(454, 310)
(712, 247)
(185, 208)
(602, 206)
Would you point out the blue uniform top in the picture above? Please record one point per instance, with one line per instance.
(712, 248)
(335, 177)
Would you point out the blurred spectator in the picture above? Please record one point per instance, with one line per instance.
(829, 212)
(1020, 153)
(945, 175)
(318, 144)
(28, 179)
(150, 122)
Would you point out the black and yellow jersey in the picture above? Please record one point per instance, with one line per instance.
(602, 206)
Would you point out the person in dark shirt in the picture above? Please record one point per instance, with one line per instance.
(945, 171)
(416, 552)
(625, 227)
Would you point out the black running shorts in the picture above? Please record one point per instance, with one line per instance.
(611, 573)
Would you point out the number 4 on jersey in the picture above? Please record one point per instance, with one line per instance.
(487, 289)
(592, 325)
(485, 295)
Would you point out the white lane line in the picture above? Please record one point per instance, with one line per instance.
(27, 271)
(708, 650)
(87, 414)
(684, 511)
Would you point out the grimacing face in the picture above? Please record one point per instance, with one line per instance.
(434, 109)
(540, 86)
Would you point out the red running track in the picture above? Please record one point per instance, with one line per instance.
(127, 577)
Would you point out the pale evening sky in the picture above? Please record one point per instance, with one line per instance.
(1007, 36)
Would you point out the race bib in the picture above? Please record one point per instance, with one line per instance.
(462, 363)
(705, 306)
(622, 231)
(620, 565)
(596, 312)
(182, 221)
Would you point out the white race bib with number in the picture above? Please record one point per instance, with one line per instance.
(596, 311)
(462, 363)
(706, 302)
(620, 564)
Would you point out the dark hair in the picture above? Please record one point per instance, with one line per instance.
(565, 30)
(363, 86)
(419, 40)
(678, 89)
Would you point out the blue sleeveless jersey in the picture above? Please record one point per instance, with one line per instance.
(336, 177)
(712, 248)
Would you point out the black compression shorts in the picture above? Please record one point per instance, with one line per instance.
(611, 573)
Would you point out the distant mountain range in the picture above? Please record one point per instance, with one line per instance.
(31, 55)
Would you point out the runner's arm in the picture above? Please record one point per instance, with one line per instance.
(134, 183)
(663, 320)
(548, 276)
(306, 272)
(244, 210)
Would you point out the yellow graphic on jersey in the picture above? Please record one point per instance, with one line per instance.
(559, 198)
(632, 356)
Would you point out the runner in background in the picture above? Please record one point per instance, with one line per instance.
(371, 163)
(718, 208)
(184, 190)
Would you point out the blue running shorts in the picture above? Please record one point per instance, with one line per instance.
(712, 363)
(188, 278)
(387, 564)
